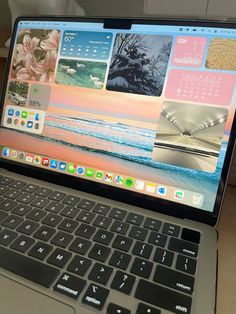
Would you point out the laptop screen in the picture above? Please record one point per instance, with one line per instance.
(147, 109)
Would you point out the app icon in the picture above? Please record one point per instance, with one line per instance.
(23, 123)
(161, 190)
(17, 113)
(21, 155)
(53, 163)
(16, 121)
(108, 177)
(80, 170)
(129, 182)
(150, 187)
(119, 179)
(29, 124)
(36, 126)
(197, 199)
(89, 172)
(11, 112)
(99, 175)
(71, 168)
(6, 152)
(45, 162)
(9, 120)
(13, 154)
(36, 117)
(37, 160)
(29, 158)
(24, 114)
(139, 185)
(179, 195)
(62, 166)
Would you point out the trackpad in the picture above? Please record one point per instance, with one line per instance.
(18, 299)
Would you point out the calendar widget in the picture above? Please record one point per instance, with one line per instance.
(24, 119)
(89, 45)
(198, 86)
(189, 51)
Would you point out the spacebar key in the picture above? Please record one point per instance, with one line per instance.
(28, 268)
(163, 297)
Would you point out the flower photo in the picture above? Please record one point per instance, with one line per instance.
(35, 55)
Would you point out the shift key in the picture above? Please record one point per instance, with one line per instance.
(163, 298)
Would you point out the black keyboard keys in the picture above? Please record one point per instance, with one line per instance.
(152, 224)
(44, 233)
(171, 229)
(186, 264)
(134, 219)
(40, 250)
(163, 257)
(101, 209)
(28, 227)
(70, 286)
(138, 233)
(59, 257)
(120, 227)
(102, 222)
(8, 205)
(12, 222)
(57, 196)
(36, 214)
(118, 213)
(103, 237)
(95, 296)
(85, 216)
(122, 243)
(52, 220)
(86, 204)
(142, 249)
(62, 239)
(68, 225)
(99, 252)
(157, 239)
(21, 209)
(80, 246)
(22, 243)
(79, 265)
(7, 236)
(100, 273)
(123, 282)
(146, 309)
(85, 231)
(70, 212)
(120, 260)
(71, 200)
(183, 247)
(54, 207)
(141, 267)
(117, 309)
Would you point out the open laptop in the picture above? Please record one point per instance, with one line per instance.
(116, 139)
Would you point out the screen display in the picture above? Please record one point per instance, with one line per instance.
(148, 109)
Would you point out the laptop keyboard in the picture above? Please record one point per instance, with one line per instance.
(86, 250)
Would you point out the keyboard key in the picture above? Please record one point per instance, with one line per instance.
(18, 264)
(62, 239)
(163, 257)
(36, 214)
(85, 216)
(118, 213)
(28, 227)
(99, 252)
(3, 189)
(100, 273)
(152, 224)
(135, 219)
(44, 233)
(12, 221)
(117, 309)
(12, 194)
(30, 188)
(39, 202)
(68, 225)
(22, 244)
(86, 204)
(71, 200)
(59, 258)
(138, 233)
(171, 229)
(79, 265)
(186, 264)
(157, 239)
(122, 243)
(51, 220)
(102, 222)
(191, 235)
(123, 282)
(95, 296)
(3, 215)
(8, 205)
(5, 180)
(142, 249)
(80, 246)
(17, 184)
(162, 297)
(26, 198)
(120, 227)
(7, 236)
(44, 192)
(120, 260)
(85, 231)
(54, 207)
(174, 279)
(70, 212)
(21, 209)
(141, 267)
(40, 250)
(70, 286)
(101, 209)
(183, 247)
(57, 196)
(103, 236)
(146, 309)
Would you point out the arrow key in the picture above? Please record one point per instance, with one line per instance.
(100, 273)
(117, 309)
(79, 265)
(147, 309)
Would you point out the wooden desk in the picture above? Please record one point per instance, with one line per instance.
(226, 297)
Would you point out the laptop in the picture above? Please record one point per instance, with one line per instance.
(116, 140)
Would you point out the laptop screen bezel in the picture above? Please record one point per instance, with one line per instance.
(130, 197)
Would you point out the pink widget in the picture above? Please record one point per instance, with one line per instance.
(199, 86)
(189, 51)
